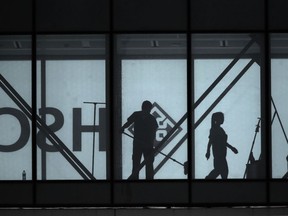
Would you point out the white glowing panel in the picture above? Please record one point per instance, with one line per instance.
(15, 158)
(69, 84)
(279, 80)
(163, 82)
(241, 107)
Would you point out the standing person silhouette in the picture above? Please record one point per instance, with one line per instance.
(145, 126)
(218, 141)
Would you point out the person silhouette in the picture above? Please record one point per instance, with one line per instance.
(145, 126)
(218, 141)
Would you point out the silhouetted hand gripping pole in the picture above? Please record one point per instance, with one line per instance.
(251, 158)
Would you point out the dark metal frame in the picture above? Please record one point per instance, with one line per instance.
(111, 77)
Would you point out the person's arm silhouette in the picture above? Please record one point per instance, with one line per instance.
(233, 149)
(207, 155)
(127, 124)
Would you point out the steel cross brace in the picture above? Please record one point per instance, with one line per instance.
(203, 96)
(51, 136)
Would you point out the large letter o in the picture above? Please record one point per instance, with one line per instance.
(25, 129)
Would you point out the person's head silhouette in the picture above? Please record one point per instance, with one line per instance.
(217, 119)
(146, 106)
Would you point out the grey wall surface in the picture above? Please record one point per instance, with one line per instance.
(129, 15)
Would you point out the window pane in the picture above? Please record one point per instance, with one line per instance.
(72, 103)
(227, 106)
(153, 68)
(15, 117)
(279, 80)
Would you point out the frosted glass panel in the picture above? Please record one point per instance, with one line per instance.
(72, 140)
(154, 72)
(243, 98)
(279, 80)
(229, 115)
(15, 117)
(163, 83)
(67, 109)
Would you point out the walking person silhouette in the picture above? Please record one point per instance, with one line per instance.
(218, 141)
(145, 126)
